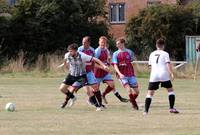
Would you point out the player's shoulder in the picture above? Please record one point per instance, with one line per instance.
(116, 52)
(66, 55)
(129, 51)
(80, 48)
(98, 49)
(162, 52)
(81, 53)
(91, 48)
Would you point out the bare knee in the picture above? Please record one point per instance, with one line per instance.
(63, 88)
(95, 87)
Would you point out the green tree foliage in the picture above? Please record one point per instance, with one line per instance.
(169, 22)
(4, 6)
(41, 26)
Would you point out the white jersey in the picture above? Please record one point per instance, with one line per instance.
(77, 64)
(158, 60)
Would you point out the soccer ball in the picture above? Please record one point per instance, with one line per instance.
(10, 107)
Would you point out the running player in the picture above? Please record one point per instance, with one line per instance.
(77, 74)
(121, 60)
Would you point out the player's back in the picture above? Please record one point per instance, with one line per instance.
(158, 60)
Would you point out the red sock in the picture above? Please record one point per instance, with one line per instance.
(132, 99)
(107, 90)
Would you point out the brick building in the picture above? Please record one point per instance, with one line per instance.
(120, 11)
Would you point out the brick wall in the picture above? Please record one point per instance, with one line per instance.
(132, 7)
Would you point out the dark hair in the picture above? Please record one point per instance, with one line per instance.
(72, 46)
(121, 40)
(88, 38)
(160, 43)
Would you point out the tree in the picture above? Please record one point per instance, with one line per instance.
(41, 26)
(167, 21)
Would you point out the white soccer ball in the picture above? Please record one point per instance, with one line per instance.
(10, 107)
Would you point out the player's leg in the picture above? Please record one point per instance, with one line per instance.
(94, 93)
(148, 100)
(171, 96)
(89, 92)
(95, 97)
(133, 91)
(79, 83)
(97, 94)
(151, 89)
(64, 89)
(111, 87)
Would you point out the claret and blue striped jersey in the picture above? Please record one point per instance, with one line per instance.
(102, 54)
(90, 51)
(123, 59)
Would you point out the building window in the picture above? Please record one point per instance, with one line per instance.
(153, 2)
(117, 13)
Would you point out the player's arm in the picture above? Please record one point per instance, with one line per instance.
(118, 72)
(100, 64)
(169, 68)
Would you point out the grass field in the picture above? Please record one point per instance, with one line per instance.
(38, 113)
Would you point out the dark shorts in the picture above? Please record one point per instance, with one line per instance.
(155, 85)
(77, 82)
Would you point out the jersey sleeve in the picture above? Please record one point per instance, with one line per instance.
(114, 58)
(167, 59)
(66, 57)
(85, 57)
(97, 53)
(132, 55)
(79, 49)
(93, 51)
(150, 60)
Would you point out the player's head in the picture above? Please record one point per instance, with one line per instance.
(160, 43)
(72, 48)
(86, 41)
(120, 43)
(103, 42)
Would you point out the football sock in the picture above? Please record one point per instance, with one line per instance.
(171, 97)
(107, 90)
(98, 96)
(94, 101)
(147, 103)
(69, 94)
(132, 98)
(118, 95)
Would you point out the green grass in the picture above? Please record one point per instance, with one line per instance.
(38, 99)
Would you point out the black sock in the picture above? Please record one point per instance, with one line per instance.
(171, 101)
(98, 96)
(118, 95)
(94, 101)
(147, 104)
(69, 94)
